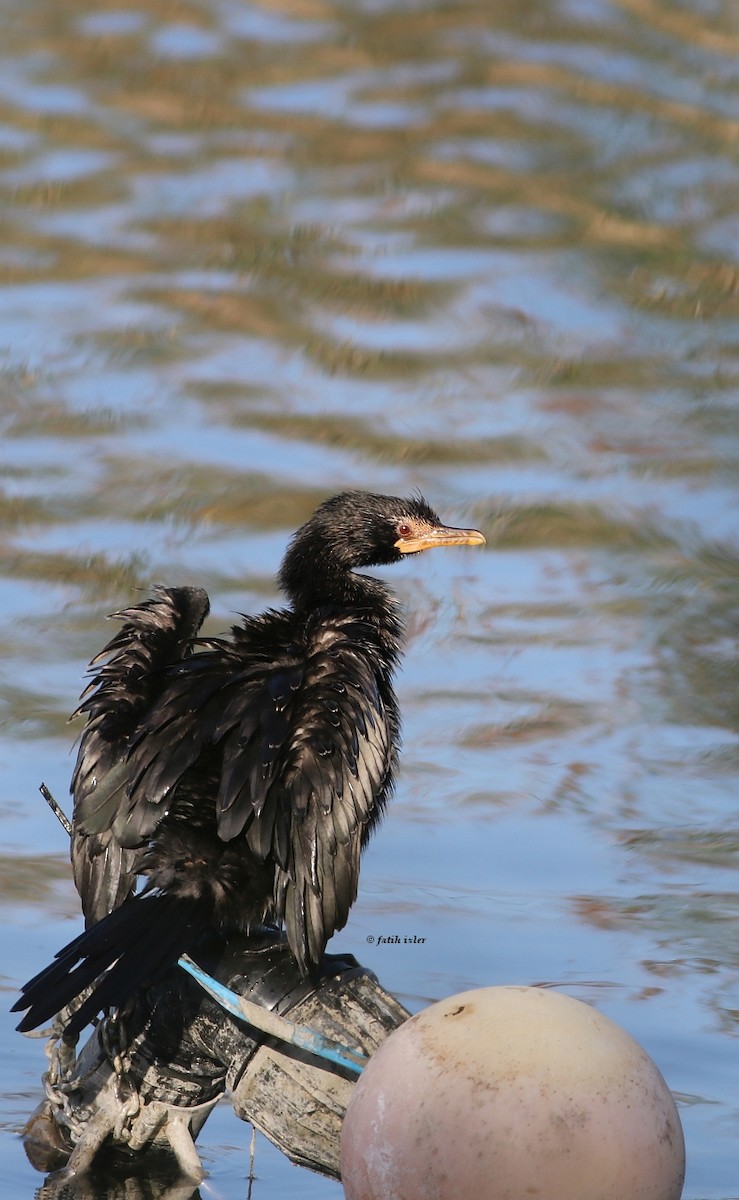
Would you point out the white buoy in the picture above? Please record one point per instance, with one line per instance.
(511, 1093)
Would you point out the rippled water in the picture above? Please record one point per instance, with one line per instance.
(251, 254)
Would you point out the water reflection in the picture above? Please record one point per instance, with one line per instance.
(255, 252)
(119, 1183)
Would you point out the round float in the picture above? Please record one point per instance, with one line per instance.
(511, 1093)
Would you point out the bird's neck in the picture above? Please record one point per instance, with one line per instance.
(367, 599)
(339, 587)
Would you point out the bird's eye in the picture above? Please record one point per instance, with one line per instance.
(404, 531)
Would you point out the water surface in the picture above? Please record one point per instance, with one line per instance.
(252, 254)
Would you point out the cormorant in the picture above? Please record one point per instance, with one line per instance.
(243, 776)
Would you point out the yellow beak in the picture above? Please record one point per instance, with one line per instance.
(426, 538)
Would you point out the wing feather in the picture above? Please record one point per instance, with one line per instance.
(154, 634)
(289, 742)
(341, 763)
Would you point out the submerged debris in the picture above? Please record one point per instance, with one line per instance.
(149, 1076)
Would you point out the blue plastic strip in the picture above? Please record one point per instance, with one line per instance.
(297, 1035)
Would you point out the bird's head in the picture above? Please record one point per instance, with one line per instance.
(363, 529)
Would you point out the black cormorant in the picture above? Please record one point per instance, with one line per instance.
(241, 777)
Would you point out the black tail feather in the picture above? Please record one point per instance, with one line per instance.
(131, 947)
(90, 946)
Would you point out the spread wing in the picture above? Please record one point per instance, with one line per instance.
(335, 773)
(127, 677)
(306, 740)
